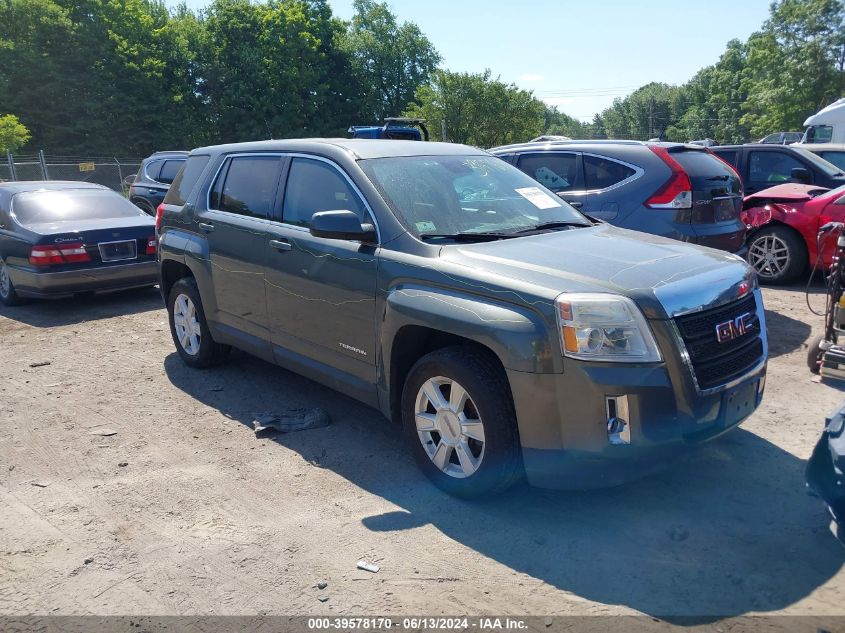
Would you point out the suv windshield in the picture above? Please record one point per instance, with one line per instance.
(71, 205)
(449, 195)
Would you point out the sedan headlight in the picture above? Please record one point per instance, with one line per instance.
(604, 327)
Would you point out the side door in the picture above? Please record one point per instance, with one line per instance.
(235, 221)
(770, 167)
(321, 292)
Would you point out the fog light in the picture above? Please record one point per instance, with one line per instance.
(618, 420)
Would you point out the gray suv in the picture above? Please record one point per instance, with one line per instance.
(509, 334)
(154, 178)
(669, 189)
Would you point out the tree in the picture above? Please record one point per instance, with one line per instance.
(389, 61)
(13, 133)
(795, 64)
(559, 123)
(477, 110)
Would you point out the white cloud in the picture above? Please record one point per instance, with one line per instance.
(531, 77)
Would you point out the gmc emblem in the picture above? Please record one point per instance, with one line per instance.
(730, 330)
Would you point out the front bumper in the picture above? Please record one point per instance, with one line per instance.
(563, 419)
(31, 283)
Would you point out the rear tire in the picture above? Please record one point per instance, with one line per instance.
(189, 328)
(469, 444)
(778, 254)
(814, 355)
(8, 296)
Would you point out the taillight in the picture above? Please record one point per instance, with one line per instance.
(50, 254)
(676, 193)
(159, 216)
(151, 245)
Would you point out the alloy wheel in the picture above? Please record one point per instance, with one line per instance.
(449, 427)
(769, 255)
(187, 325)
(5, 282)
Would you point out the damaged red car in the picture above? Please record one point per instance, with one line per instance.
(783, 228)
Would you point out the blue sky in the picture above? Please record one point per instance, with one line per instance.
(577, 55)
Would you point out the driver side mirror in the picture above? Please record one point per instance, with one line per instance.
(341, 225)
(802, 175)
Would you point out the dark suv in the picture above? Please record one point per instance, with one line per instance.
(153, 179)
(507, 332)
(668, 189)
(763, 165)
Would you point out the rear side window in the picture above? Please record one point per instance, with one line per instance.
(772, 166)
(554, 170)
(247, 186)
(601, 173)
(169, 169)
(317, 186)
(186, 179)
(727, 156)
(71, 205)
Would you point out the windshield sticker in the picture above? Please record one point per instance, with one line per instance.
(425, 226)
(539, 199)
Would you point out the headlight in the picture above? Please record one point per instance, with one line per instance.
(604, 327)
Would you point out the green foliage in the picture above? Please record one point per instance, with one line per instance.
(477, 110)
(13, 134)
(129, 76)
(390, 61)
(787, 71)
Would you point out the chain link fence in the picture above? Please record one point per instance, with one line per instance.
(113, 172)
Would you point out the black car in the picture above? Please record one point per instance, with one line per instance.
(764, 165)
(61, 238)
(668, 189)
(154, 178)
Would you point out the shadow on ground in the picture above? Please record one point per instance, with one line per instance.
(785, 333)
(725, 531)
(87, 307)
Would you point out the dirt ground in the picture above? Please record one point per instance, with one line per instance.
(184, 511)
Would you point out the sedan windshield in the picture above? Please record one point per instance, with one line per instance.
(443, 196)
(65, 205)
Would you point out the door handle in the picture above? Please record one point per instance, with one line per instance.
(280, 245)
(205, 226)
(575, 204)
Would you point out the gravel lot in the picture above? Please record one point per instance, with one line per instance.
(184, 511)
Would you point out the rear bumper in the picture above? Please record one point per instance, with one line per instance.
(30, 283)
(729, 238)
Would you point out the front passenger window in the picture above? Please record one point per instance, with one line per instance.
(317, 186)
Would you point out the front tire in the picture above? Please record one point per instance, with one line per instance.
(459, 422)
(189, 328)
(8, 296)
(778, 254)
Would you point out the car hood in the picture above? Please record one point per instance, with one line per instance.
(665, 277)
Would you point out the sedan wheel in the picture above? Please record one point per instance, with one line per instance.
(449, 427)
(5, 282)
(769, 255)
(8, 296)
(778, 254)
(188, 331)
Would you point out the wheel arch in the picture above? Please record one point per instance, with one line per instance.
(423, 320)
